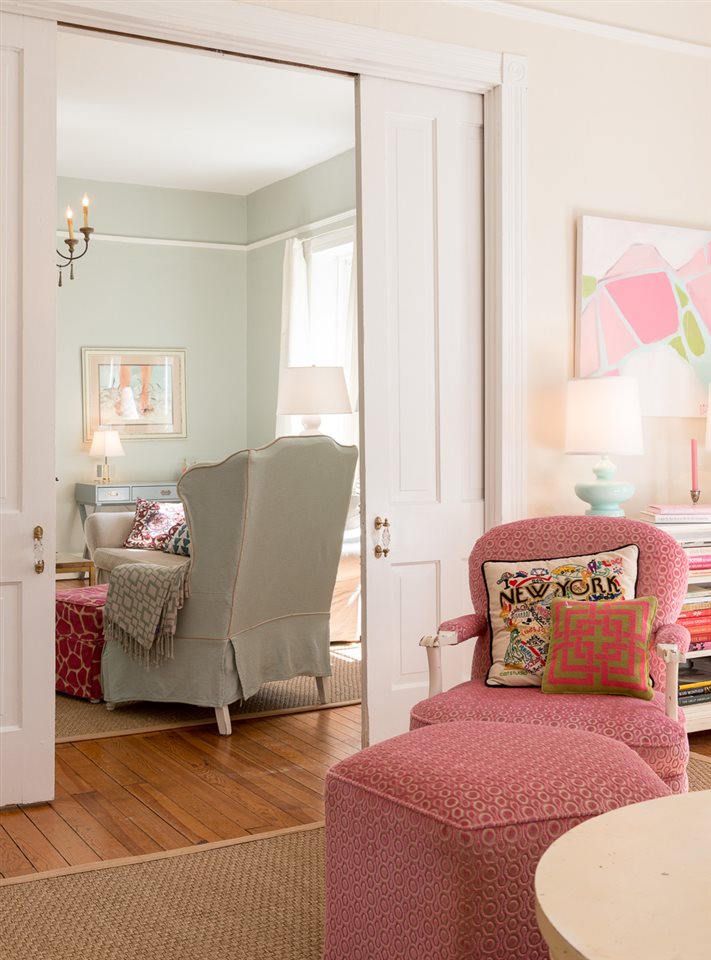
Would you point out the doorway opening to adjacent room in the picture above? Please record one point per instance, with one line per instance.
(222, 195)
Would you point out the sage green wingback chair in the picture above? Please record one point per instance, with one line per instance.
(266, 529)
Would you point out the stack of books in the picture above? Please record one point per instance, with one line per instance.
(673, 513)
(699, 558)
(690, 525)
(696, 617)
(695, 682)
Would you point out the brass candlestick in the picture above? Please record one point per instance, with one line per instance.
(695, 494)
(72, 242)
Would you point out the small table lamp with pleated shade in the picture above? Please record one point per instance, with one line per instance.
(105, 443)
(603, 417)
(311, 392)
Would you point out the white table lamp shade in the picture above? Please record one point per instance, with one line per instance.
(106, 443)
(313, 390)
(603, 416)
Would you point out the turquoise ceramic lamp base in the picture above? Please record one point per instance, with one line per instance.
(605, 494)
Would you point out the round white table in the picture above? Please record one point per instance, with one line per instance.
(632, 884)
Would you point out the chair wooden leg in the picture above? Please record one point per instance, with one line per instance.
(672, 657)
(324, 689)
(224, 724)
(434, 664)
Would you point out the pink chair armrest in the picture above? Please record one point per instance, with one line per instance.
(671, 641)
(463, 628)
(450, 633)
(672, 633)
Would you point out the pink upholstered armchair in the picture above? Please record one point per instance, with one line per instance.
(655, 728)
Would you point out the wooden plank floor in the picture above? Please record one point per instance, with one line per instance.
(701, 742)
(125, 796)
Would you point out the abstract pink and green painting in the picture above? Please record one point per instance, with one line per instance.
(644, 310)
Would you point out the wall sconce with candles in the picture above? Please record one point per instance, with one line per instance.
(72, 241)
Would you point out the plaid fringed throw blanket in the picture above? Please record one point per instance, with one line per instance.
(141, 609)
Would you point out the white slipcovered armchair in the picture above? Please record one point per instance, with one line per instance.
(266, 529)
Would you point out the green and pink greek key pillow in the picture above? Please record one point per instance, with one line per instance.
(520, 594)
(600, 647)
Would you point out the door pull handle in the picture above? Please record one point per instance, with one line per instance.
(38, 549)
(382, 547)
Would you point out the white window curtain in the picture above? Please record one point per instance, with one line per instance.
(320, 320)
(295, 332)
(344, 427)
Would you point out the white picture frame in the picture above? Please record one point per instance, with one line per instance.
(138, 391)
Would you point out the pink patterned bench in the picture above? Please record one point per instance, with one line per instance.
(432, 838)
(79, 633)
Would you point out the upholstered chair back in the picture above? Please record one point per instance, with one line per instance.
(662, 566)
(266, 529)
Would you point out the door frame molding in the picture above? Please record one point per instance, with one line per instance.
(501, 78)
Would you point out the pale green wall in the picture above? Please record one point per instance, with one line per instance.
(133, 210)
(134, 295)
(315, 194)
(223, 306)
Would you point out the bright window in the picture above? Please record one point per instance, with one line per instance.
(330, 264)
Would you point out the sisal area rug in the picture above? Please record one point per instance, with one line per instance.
(253, 899)
(699, 772)
(80, 720)
(257, 898)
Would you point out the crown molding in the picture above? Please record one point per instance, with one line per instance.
(247, 29)
(315, 225)
(160, 242)
(564, 22)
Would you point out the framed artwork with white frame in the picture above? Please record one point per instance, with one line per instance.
(138, 391)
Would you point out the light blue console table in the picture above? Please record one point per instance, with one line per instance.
(98, 495)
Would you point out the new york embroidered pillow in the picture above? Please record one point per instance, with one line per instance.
(520, 595)
(600, 647)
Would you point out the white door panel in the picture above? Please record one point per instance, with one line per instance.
(27, 369)
(421, 154)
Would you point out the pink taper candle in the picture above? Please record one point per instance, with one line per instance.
(694, 466)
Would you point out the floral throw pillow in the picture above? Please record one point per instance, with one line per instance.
(520, 594)
(178, 541)
(152, 524)
(600, 647)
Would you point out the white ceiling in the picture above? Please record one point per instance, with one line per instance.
(170, 117)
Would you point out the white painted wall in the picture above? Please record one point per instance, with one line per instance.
(616, 129)
(689, 21)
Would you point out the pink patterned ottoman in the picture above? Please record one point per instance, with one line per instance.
(432, 838)
(79, 633)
